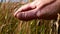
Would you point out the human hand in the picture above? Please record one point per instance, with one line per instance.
(39, 10)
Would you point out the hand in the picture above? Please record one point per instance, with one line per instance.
(42, 9)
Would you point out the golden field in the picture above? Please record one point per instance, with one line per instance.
(10, 25)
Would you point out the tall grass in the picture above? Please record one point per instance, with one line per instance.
(10, 25)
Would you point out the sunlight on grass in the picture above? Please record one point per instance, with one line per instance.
(10, 25)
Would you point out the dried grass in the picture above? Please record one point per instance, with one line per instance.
(10, 25)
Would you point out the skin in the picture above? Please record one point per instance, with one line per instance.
(39, 9)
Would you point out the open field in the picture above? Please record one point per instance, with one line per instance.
(10, 25)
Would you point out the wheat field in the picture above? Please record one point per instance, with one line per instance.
(10, 25)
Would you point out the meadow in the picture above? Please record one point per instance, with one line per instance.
(11, 25)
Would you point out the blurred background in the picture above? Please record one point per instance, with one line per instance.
(10, 25)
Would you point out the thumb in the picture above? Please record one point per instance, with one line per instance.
(28, 15)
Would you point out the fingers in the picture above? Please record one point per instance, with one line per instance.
(32, 11)
(28, 15)
(24, 8)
